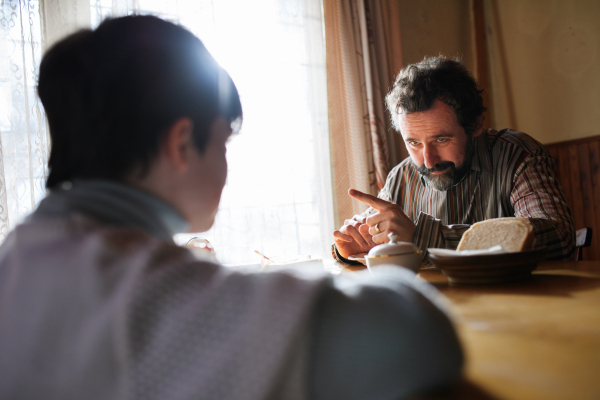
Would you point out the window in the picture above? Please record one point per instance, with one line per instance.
(278, 195)
(23, 137)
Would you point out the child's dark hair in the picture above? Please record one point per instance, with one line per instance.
(111, 94)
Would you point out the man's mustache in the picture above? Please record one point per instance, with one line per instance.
(423, 170)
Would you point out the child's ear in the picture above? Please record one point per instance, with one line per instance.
(178, 142)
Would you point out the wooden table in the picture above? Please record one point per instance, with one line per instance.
(534, 339)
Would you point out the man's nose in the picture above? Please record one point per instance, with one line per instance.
(430, 156)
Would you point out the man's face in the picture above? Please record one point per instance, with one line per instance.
(437, 144)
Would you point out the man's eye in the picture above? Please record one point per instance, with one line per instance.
(413, 143)
(442, 140)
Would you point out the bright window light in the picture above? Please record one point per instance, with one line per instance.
(277, 199)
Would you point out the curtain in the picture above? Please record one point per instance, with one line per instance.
(363, 55)
(278, 197)
(23, 135)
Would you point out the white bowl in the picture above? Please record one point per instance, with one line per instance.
(402, 254)
(411, 260)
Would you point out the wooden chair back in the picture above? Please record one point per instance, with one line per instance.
(583, 238)
(577, 168)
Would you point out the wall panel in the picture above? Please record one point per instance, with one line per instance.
(577, 168)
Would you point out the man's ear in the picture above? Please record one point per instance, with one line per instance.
(479, 126)
(178, 143)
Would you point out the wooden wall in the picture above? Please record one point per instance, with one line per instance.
(577, 168)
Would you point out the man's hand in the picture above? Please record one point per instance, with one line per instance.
(389, 219)
(353, 237)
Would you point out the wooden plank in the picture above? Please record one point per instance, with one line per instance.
(570, 142)
(481, 60)
(587, 193)
(577, 169)
(595, 175)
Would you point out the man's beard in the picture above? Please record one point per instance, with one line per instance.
(454, 174)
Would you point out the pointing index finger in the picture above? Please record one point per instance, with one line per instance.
(370, 200)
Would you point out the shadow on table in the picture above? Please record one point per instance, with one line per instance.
(542, 283)
(463, 390)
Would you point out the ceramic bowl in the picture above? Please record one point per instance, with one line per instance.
(411, 261)
(489, 269)
(402, 254)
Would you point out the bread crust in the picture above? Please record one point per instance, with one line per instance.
(514, 234)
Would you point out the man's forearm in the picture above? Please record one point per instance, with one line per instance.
(557, 239)
(537, 196)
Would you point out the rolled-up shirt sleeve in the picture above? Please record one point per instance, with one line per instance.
(537, 196)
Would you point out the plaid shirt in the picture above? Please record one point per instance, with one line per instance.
(511, 176)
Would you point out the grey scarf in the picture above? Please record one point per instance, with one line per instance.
(113, 203)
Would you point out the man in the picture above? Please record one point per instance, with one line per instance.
(97, 302)
(458, 173)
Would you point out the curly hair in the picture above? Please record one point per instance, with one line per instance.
(419, 85)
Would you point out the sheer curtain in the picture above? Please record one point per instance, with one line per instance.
(364, 54)
(277, 199)
(23, 136)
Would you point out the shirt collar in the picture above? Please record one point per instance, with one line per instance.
(114, 203)
(482, 160)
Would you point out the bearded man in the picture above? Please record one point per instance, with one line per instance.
(458, 173)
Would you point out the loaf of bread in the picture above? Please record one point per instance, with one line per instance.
(513, 234)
